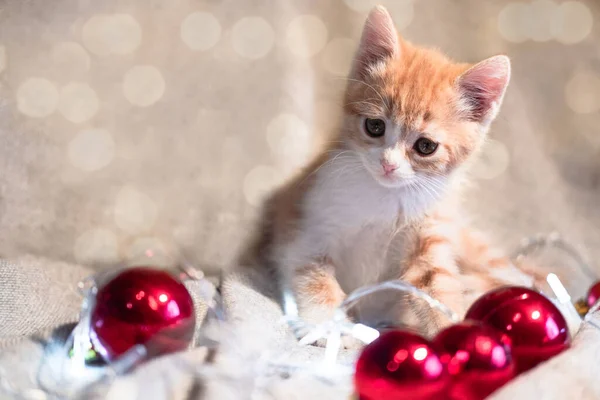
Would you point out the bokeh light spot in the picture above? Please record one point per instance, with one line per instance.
(91, 149)
(143, 85)
(37, 97)
(513, 22)
(95, 34)
(306, 36)
(78, 102)
(582, 92)
(420, 354)
(105, 34)
(200, 31)
(126, 35)
(252, 37)
(135, 211)
(573, 22)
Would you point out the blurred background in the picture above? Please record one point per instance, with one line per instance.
(136, 129)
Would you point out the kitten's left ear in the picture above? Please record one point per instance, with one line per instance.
(379, 42)
(482, 88)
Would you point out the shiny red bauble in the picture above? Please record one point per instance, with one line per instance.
(142, 306)
(400, 365)
(593, 295)
(477, 357)
(536, 328)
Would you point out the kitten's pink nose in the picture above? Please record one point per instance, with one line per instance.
(388, 168)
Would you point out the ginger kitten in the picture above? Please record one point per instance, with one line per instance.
(381, 202)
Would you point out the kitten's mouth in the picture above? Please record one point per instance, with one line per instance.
(392, 181)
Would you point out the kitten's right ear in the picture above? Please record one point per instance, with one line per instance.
(379, 42)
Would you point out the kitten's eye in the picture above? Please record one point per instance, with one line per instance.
(425, 147)
(375, 127)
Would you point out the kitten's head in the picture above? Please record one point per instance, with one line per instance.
(413, 115)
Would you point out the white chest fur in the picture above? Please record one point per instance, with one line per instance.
(352, 219)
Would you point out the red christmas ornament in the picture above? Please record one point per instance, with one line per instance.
(142, 306)
(536, 328)
(477, 357)
(400, 365)
(593, 295)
